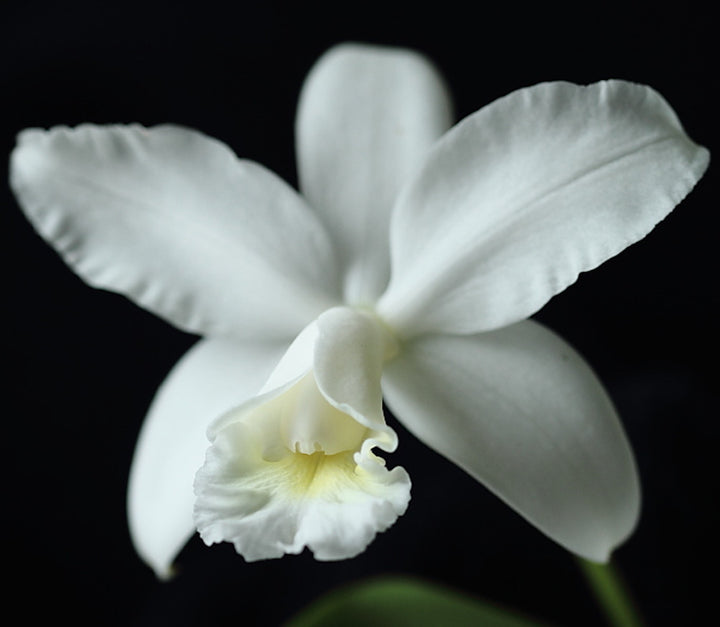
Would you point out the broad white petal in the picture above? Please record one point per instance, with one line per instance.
(210, 379)
(295, 467)
(519, 198)
(174, 220)
(367, 116)
(522, 412)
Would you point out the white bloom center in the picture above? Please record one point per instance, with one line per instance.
(294, 467)
(310, 425)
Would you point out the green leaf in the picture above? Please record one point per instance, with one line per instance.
(402, 602)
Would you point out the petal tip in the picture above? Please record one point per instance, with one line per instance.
(166, 573)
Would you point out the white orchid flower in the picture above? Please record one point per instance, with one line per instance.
(407, 270)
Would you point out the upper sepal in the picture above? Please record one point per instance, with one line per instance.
(367, 116)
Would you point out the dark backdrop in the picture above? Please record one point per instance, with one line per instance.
(83, 365)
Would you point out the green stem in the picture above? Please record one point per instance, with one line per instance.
(611, 593)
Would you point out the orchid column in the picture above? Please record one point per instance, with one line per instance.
(408, 267)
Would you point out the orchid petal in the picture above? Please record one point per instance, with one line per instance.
(332, 504)
(174, 220)
(294, 467)
(519, 198)
(521, 411)
(210, 379)
(366, 118)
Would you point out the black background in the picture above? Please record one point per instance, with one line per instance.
(83, 364)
